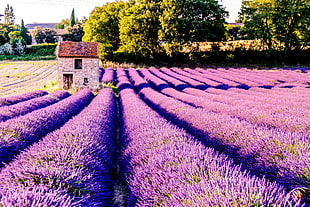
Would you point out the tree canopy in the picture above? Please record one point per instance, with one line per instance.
(283, 23)
(103, 27)
(146, 28)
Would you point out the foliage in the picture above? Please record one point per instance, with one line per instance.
(74, 33)
(139, 28)
(6, 49)
(44, 49)
(9, 17)
(283, 23)
(72, 18)
(2, 39)
(19, 46)
(292, 23)
(103, 27)
(146, 29)
(38, 35)
(45, 35)
(5, 29)
(190, 21)
(234, 32)
(49, 35)
(23, 33)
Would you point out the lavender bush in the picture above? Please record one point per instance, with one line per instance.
(270, 115)
(8, 112)
(6, 101)
(108, 75)
(18, 133)
(164, 166)
(72, 166)
(278, 155)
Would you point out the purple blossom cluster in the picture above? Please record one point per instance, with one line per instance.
(108, 75)
(276, 154)
(190, 137)
(6, 101)
(8, 112)
(18, 133)
(71, 166)
(165, 166)
(234, 103)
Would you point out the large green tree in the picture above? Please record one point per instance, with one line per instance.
(24, 33)
(43, 35)
(72, 18)
(146, 28)
(292, 23)
(283, 23)
(103, 27)
(186, 21)
(74, 33)
(257, 16)
(139, 28)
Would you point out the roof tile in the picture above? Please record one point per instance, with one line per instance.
(77, 49)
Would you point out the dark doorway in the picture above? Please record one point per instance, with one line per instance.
(68, 81)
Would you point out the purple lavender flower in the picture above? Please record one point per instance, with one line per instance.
(8, 112)
(18, 133)
(71, 166)
(6, 101)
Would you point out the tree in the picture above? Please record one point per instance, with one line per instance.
(277, 22)
(24, 33)
(38, 35)
(149, 25)
(72, 18)
(139, 28)
(49, 35)
(45, 35)
(103, 27)
(5, 29)
(9, 17)
(292, 23)
(184, 22)
(257, 18)
(74, 33)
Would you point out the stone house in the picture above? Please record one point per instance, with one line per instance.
(78, 65)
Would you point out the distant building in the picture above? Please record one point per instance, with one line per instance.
(43, 25)
(78, 65)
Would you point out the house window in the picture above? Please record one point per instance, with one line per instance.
(85, 81)
(78, 63)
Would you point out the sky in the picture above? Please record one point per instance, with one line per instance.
(53, 11)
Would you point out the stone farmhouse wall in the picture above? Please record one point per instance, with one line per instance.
(86, 77)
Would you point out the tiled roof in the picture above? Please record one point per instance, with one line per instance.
(77, 49)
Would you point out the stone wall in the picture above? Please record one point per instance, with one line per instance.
(87, 77)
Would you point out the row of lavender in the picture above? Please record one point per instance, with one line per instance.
(151, 164)
(254, 78)
(279, 153)
(71, 166)
(165, 166)
(253, 107)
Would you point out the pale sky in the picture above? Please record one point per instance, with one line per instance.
(53, 11)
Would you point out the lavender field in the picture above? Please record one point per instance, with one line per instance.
(17, 77)
(166, 137)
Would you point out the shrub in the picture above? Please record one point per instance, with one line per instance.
(44, 49)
